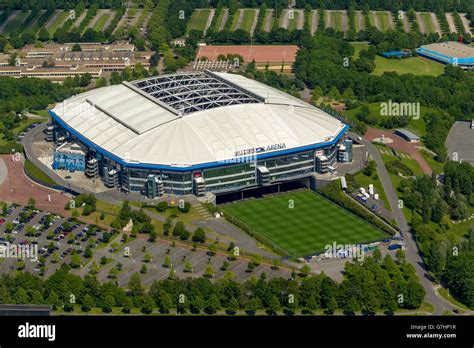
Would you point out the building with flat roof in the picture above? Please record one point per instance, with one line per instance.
(198, 132)
(449, 52)
(407, 135)
(58, 61)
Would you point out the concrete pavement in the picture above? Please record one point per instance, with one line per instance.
(412, 252)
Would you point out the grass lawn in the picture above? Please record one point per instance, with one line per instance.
(235, 21)
(372, 19)
(384, 20)
(417, 126)
(99, 25)
(247, 20)
(198, 19)
(305, 229)
(359, 46)
(37, 173)
(16, 23)
(365, 181)
(412, 65)
(336, 20)
(60, 19)
(293, 22)
(217, 22)
(426, 18)
(435, 166)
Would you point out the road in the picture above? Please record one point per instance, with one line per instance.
(412, 252)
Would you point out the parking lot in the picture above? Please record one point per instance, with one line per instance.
(61, 240)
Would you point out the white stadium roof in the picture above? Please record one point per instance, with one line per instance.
(187, 119)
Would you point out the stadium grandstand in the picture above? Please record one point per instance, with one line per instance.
(193, 133)
(450, 52)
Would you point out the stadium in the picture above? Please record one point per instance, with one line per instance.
(194, 133)
(449, 52)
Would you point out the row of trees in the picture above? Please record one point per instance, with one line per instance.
(335, 68)
(447, 253)
(374, 285)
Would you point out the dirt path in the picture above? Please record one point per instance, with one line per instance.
(345, 21)
(284, 20)
(359, 19)
(436, 25)
(391, 20)
(421, 23)
(240, 19)
(268, 23)
(209, 20)
(452, 26)
(109, 20)
(255, 20)
(224, 19)
(400, 145)
(79, 19)
(314, 21)
(327, 19)
(300, 23)
(52, 19)
(376, 20)
(10, 17)
(465, 22)
(405, 22)
(96, 18)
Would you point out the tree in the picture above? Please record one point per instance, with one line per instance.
(276, 263)
(43, 34)
(143, 269)
(232, 305)
(134, 285)
(179, 229)
(209, 272)
(53, 299)
(31, 203)
(196, 303)
(253, 305)
(108, 303)
(305, 269)
(87, 303)
(273, 305)
(167, 262)
(76, 48)
(188, 267)
(212, 249)
(147, 304)
(199, 235)
(165, 302)
(213, 304)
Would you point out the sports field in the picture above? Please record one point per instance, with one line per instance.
(248, 19)
(305, 229)
(198, 19)
(336, 20)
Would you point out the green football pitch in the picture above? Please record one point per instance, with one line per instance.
(302, 223)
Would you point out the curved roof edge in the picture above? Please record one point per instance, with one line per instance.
(222, 163)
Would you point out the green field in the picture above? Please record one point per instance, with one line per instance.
(384, 20)
(248, 19)
(235, 21)
(198, 19)
(305, 229)
(426, 18)
(16, 23)
(218, 21)
(99, 25)
(59, 20)
(412, 65)
(293, 22)
(336, 21)
(418, 126)
(372, 18)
